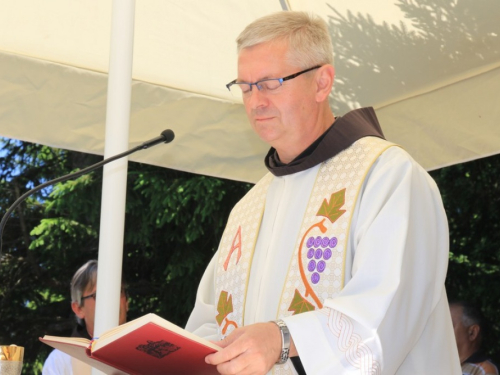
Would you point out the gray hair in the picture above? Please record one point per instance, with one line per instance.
(307, 36)
(471, 314)
(84, 278)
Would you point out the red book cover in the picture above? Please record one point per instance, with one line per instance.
(148, 345)
(154, 350)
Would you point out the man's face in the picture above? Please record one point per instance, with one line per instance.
(461, 331)
(86, 310)
(281, 119)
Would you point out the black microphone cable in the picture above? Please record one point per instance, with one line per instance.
(166, 136)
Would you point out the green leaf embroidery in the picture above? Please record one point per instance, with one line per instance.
(331, 210)
(224, 307)
(300, 304)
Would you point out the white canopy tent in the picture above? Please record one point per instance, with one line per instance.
(431, 70)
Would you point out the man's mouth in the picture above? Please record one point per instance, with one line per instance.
(260, 119)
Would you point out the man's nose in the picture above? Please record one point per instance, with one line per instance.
(257, 98)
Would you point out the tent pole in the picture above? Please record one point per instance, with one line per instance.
(284, 5)
(115, 174)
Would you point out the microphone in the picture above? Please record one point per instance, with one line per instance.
(166, 136)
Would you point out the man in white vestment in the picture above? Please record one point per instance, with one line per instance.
(335, 262)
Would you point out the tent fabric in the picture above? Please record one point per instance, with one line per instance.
(66, 108)
(430, 69)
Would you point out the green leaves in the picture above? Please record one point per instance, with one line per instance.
(173, 224)
(49, 228)
(471, 197)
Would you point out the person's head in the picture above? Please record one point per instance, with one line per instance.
(468, 324)
(291, 114)
(83, 296)
(305, 34)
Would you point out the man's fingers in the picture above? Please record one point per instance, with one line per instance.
(248, 350)
(228, 353)
(235, 367)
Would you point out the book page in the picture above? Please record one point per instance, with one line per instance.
(80, 368)
(73, 347)
(77, 341)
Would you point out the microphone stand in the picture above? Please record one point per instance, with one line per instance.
(166, 136)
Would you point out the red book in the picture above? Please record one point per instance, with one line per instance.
(148, 345)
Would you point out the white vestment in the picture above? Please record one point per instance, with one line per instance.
(60, 363)
(57, 363)
(392, 316)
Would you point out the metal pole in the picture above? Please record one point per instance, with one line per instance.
(109, 272)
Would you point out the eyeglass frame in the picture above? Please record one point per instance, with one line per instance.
(280, 80)
(123, 292)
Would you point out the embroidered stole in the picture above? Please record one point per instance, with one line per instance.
(317, 268)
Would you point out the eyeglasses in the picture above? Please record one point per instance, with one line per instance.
(93, 295)
(123, 293)
(265, 85)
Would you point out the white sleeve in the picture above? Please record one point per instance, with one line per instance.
(201, 321)
(57, 363)
(398, 248)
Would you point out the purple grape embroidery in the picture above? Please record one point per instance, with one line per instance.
(317, 241)
(318, 256)
(310, 242)
(312, 265)
(310, 253)
(330, 209)
(327, 254)
(333, 242)
(325, 242)
(321, 266)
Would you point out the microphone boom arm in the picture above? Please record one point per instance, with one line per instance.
(166, 136)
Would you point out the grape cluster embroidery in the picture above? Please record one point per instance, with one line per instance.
(319, 252)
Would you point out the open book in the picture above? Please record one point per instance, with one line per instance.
(148, 345)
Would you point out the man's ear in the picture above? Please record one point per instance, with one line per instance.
(473, 332)
(324, 79)
(77, 309)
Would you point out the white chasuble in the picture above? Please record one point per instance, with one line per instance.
(316, 268)
(378, 269)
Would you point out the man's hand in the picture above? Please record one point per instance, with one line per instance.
(253, 349)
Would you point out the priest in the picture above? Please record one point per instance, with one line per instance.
(335, 261)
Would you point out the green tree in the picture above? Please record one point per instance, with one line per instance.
(174, 221)
(173, 224)
(24, 286)
(471, 196)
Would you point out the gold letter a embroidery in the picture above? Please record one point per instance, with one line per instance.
(236, 245)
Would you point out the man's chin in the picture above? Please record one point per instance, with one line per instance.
(269, 138)
(267, 130)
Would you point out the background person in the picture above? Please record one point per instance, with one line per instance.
(468, 323)
(83, 297)
(344, 244)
